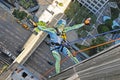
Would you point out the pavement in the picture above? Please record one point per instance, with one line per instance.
(102, 66)
(53, 10)
(43, 5)
(11, 33)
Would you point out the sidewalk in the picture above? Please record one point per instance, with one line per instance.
(53, 10)
(47, 16)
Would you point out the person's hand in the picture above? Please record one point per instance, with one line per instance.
(87, 21)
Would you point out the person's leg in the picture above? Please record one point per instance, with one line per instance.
(65, 51)
(57, 59)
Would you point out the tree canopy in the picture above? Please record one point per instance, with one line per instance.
(114, 13)
(97, 41)
(19, 14)
(102, 28)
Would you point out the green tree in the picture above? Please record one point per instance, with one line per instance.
(27, 3)
(97, 41)
(72, 9)
(22, 15)
(114, 13)
(102, 28)
(109, 23)
(116, 27)
(19, 14)
(81, 47)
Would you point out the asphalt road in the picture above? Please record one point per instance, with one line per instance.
(12, 35)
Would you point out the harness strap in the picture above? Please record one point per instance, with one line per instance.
(55, 48)
(58, 33)
(57, 44)
(60, 47)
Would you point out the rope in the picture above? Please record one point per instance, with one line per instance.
(47, 72)
(88, 37)
(95, 46)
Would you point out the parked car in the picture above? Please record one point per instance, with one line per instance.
(8, 53)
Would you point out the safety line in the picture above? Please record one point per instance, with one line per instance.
(88, 37)
(74, 53)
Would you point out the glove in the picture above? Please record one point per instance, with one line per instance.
(87, 21)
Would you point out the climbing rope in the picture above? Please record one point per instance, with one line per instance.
(89, 37)
(74, 53)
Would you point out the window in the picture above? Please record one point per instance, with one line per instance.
(99, 5)
(88, 1)
(24, 74)
(96, 7)
(94, 11)
(92, 4)
(102, 2)
(95, 2)
(82, 1)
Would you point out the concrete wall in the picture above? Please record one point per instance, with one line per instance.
(103, 66)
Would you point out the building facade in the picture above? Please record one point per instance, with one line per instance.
(93, 5)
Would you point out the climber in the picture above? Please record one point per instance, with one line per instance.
(57, 40)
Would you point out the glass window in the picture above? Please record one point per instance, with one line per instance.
(24, 74)
(99, 5)
(82, 1)
(96, 7)
(92, 5)
(95, 2)
(102, 1)
(94, 10)
(88, 1)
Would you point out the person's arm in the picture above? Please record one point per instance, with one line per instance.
(41, 26)
(86, 22)
(66, 29)
(45, 29)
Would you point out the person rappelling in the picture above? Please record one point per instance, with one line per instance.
(57, 38)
